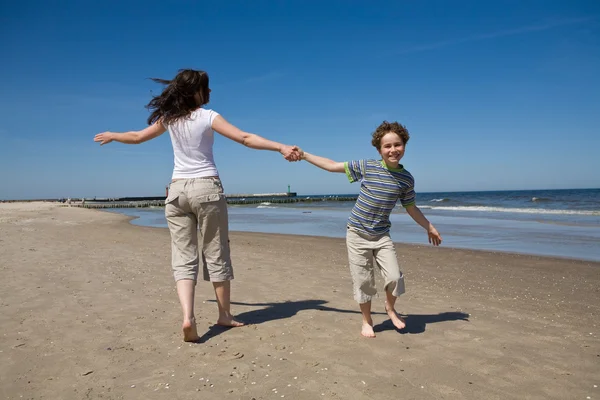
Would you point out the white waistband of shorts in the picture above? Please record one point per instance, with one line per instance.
(198, 177)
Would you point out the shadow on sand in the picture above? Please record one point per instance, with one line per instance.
(415, 323)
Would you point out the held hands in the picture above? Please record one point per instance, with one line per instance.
(434, 236)
(292, 153)
(104, 138)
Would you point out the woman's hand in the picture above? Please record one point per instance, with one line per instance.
(104, 138)
(291, 153)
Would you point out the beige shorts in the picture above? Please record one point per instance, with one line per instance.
(364, 252)
(196, 212)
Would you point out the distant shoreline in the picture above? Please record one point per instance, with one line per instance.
(296, 194)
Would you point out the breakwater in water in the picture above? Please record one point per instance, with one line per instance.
(234, 200)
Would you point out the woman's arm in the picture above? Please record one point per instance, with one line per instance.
(132, 137)
(220, 125)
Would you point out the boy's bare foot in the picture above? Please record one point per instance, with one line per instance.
(367, 330)
(396, 319)
(190, 334)
(229, 321)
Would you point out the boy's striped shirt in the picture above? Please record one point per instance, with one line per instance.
(380, 188)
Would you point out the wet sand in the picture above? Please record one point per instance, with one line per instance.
(89, 310)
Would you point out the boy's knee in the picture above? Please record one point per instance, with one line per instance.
(391, 286)
(368, 288)
(394, 280)
(393, 277)
(364, 290)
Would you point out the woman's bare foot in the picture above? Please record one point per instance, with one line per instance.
(190, 334)
(229, 321)
(367, 330)
(396, 319)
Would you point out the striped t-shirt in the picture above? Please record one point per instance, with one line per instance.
(380, 188)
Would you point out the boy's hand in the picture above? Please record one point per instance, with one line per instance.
(434, 236)
(299, 152)
(290, 153)
(293, 153)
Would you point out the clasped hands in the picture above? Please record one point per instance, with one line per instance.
(292, 153)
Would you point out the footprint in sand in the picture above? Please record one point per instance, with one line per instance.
(230, 355)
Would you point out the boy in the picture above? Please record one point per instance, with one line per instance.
(383, 182)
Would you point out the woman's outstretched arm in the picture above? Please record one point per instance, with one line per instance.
(252, 140)
(132, 137)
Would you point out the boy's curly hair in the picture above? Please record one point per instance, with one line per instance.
(387, 127)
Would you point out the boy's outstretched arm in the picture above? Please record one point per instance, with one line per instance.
(434, 237)
(322, 162)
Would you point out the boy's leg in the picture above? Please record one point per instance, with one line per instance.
(396, 319)
(367, 324)
(360, 259)
(387, 261)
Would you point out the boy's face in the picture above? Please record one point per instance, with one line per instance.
(392, 149)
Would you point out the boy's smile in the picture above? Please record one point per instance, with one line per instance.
(392, 149)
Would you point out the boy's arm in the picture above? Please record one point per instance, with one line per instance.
(322, 162)
(434, 237)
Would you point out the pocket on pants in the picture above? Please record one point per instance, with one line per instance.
(205, 191)
(174, 192)
(208, 198)
(171, 197)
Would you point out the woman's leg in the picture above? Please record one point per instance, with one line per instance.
(216, 255)
(184, 258)
(185, 291)
(223, 296)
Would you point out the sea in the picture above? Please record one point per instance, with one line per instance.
(559, 223)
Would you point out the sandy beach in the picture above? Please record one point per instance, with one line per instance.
(89, 311)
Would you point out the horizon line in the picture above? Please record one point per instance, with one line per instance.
(297, 194)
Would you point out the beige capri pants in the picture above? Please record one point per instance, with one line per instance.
(196, 212)
(363, 252)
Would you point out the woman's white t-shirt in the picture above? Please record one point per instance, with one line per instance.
(192, 139)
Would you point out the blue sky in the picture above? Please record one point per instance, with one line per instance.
(496, 95)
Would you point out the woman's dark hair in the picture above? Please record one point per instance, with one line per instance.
(184, 94)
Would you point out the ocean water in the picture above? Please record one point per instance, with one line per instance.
(563, 223)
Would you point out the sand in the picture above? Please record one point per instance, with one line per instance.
(89, 311)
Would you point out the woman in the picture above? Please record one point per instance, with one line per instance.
(195, 205)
